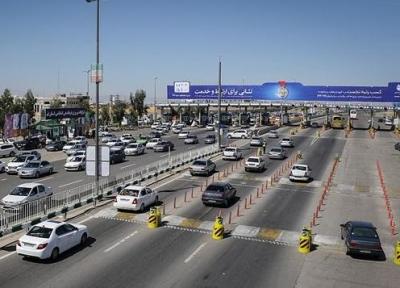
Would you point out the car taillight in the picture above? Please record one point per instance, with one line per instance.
(134, 201)
(353, 243)
(18, 243)
(42, 246)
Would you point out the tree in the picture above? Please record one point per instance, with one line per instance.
(104, 115)
(29, 103)
(56, 102)
(118, 110)
(6, 104)
(137, 102)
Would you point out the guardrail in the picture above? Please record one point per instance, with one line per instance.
(15, 218)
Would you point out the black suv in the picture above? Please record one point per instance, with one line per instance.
(219, 193)
(117, 156)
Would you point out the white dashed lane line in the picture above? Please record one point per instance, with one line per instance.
(195, 252)
(123, 167)
(71, 183)
(120, 242)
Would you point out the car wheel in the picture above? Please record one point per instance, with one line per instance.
(3, 170)
(243, 137)
(51, 171)
(54, 254)
(141, 208)
(37, 175)
(156, 200)
(83, 239)
(12, 154)
(226, 203)
(229, 136)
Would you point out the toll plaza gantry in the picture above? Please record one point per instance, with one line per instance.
(200, 101)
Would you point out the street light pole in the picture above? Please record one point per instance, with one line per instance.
(155, 98)
(219, 104)
(97, 147)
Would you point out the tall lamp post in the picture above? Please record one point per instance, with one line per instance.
(219, 103)
(155, 98)
(97, 148)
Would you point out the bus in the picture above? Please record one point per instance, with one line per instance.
(338, 122)
(353, 114)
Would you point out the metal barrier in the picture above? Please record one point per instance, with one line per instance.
(12, 219)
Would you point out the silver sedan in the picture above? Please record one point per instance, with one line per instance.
(35, 169)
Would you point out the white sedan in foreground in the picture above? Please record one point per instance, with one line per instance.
(51, 238)
(77, 163)
(135, 198)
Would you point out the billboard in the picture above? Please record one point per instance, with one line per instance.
(290, 91)
(59, 113)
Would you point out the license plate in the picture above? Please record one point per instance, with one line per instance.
(212, 201)
(123, 199)
(28, 244)
(365, 251)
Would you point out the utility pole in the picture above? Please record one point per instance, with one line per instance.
(219, 104)
(155, 98)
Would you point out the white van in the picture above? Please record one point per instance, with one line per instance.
(7, 150)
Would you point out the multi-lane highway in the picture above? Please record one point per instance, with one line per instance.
(260, 248)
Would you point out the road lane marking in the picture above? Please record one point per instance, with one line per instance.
(71, 183)
(3, 179)
(45, 179)
(165, 155)
(120, 242)
(123, 167)
(9, 254)
(195, 252)
(85, 220)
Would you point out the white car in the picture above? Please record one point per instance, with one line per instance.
(51, 238)
(113, 142)
(75, 148)
(243, 134)
(183, 134)
(286, 142)
(20, 160)
(152, 142)
(388, 121)
(76, 164)
(81, 139)
(135, 198)
(272, 134)
(300, 172)
(232, 153)
(8, 150)
(2, 167)
(108, 138)
(210, 127)
(176, 130)
(24, 193)
(255, 164)
(126, 139)
(77, 153)
(155, 125)
(134, 149)
(71, 144)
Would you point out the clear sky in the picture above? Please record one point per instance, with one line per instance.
(46, 44)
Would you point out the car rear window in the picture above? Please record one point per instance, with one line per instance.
(285, 139)
(230, 149)
(276, 150)
(129, 192)
(254, 160)
(40, 231)
(364, 232)
(216, 188)
(200, 163)
(302, 168)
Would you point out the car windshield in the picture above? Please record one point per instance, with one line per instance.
(77, 159)
(302, 168)
(40, 231)
(216, 188)
(132, 146)
(19, 159)
(255, 138)
(71, 143)
(192, 136)
(129, 192)
(364, 232)
(255, 160)
(32, 165)
(230, 150)
(200, 163)
(285, 139)
(20, 191)
(211, 136)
